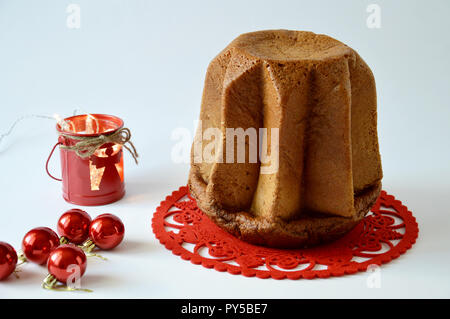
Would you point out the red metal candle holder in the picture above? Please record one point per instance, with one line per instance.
(96, 179)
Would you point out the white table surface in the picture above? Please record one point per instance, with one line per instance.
(145, 61)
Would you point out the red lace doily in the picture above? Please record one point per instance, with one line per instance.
(383, 235)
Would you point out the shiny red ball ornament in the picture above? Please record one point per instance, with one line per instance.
(8, 260)
(38, 243)
(63, 260)
(106, 231)
(74, 225)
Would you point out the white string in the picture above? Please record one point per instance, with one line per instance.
(54, 117)
(2, 136)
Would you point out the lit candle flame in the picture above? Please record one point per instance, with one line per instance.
(90, 124)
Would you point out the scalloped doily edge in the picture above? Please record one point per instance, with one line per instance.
(405, 244)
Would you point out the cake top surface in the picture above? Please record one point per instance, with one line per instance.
(288, 45)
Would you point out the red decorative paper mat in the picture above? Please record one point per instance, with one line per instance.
(384, 234)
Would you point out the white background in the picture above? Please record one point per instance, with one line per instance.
(145, 61)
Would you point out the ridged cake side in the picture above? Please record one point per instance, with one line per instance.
(321, 96)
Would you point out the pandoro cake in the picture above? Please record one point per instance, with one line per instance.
(320, 96)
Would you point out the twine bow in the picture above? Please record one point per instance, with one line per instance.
(87, 145)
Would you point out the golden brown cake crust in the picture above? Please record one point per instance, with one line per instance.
(321, 97)
(304, 232)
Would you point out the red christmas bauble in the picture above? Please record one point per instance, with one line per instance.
(8, 260)
(38, 243)
(66, 261)
(74, 225)
(106, 231)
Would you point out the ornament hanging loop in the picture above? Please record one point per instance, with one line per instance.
(63, 240)
(88, 246)
(51, 283)
(21, 259)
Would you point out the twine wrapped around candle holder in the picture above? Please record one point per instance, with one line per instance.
(87, 145)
